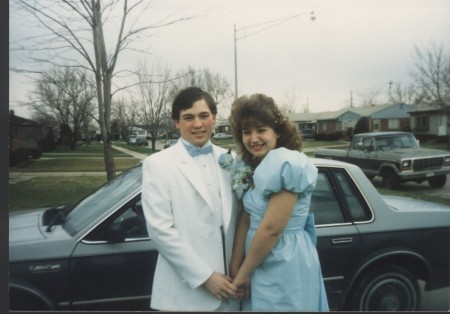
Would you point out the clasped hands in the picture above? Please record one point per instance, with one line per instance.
(223, 286)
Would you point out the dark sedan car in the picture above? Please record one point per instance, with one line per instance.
(96, 254)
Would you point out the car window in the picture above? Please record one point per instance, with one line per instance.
(356, 206)
(128, 224)
(324, 204)
(107, 196)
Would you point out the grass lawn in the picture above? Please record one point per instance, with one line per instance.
(54, 191)
(51, 191)
(71, 164)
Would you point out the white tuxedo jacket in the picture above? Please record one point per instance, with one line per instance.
(180, 221)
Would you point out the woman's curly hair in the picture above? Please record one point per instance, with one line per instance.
(259, 109)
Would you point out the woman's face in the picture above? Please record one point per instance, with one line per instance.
(259, 140)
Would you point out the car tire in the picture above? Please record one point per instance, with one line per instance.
(25, 302)
(437, 182)
(390, 288)
(389, 179)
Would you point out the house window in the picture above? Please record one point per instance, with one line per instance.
(393, 124)
(422, 123)
(376, 125)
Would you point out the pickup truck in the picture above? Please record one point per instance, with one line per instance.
(394, 156)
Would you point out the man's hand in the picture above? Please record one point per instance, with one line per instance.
(220, 286)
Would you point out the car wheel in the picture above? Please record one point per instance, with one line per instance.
(437, 181)
(25, 302)
(390, 288)
(389, 179)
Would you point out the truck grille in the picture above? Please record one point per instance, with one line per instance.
(428, 163)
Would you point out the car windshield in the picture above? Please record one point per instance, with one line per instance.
(108, 195)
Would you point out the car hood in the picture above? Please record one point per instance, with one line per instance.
(24, 226)
(29, 240)
(417, 152)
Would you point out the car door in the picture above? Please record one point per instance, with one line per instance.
(112, 266)
(339, 242)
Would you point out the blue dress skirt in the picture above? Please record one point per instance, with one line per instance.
(290, 277)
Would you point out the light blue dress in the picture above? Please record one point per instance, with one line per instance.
(290, 277)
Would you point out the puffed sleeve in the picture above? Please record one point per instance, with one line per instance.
(285, 169)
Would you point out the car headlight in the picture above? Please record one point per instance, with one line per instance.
(406, 164)
(447, 160)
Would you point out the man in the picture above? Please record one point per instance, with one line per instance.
(190, 213)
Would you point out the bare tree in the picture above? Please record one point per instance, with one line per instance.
(403, 94)
(432, 75)
(125, 112)
(76, 28)
(369, 98)
(65, 95)
(213, 83)
(289, 101)
(155, 86)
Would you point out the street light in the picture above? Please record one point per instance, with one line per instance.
(272, 23)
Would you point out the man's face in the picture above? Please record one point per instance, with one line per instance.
(196, 123)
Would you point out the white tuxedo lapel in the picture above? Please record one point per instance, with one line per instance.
(188, 169)
(225, 189)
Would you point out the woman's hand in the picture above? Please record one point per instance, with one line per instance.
(242, 284)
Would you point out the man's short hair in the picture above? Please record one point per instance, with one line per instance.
(186, 98)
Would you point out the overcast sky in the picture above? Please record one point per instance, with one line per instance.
(352, 46)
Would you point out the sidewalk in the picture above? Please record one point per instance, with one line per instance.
(15, 177)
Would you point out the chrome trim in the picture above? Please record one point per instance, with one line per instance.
(110, 300)
(341, 240)
(333, 278)
(108, 242)
(357, 186)
(334, 225)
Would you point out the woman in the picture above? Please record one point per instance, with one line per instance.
(274, 250)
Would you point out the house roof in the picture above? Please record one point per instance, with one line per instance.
(428, 108)
(377, 111)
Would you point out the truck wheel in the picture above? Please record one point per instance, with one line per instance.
(437, 182)
(389, 179)
(390, 288)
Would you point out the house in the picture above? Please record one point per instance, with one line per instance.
(338, 124)
(25, 139)
(388, 117)
(430, 122)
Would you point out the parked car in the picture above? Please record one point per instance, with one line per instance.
(394, 156)
(137, 140)
(131, 139)
(222, 136)
(97, 255)
(170, 143)
(142, 140)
